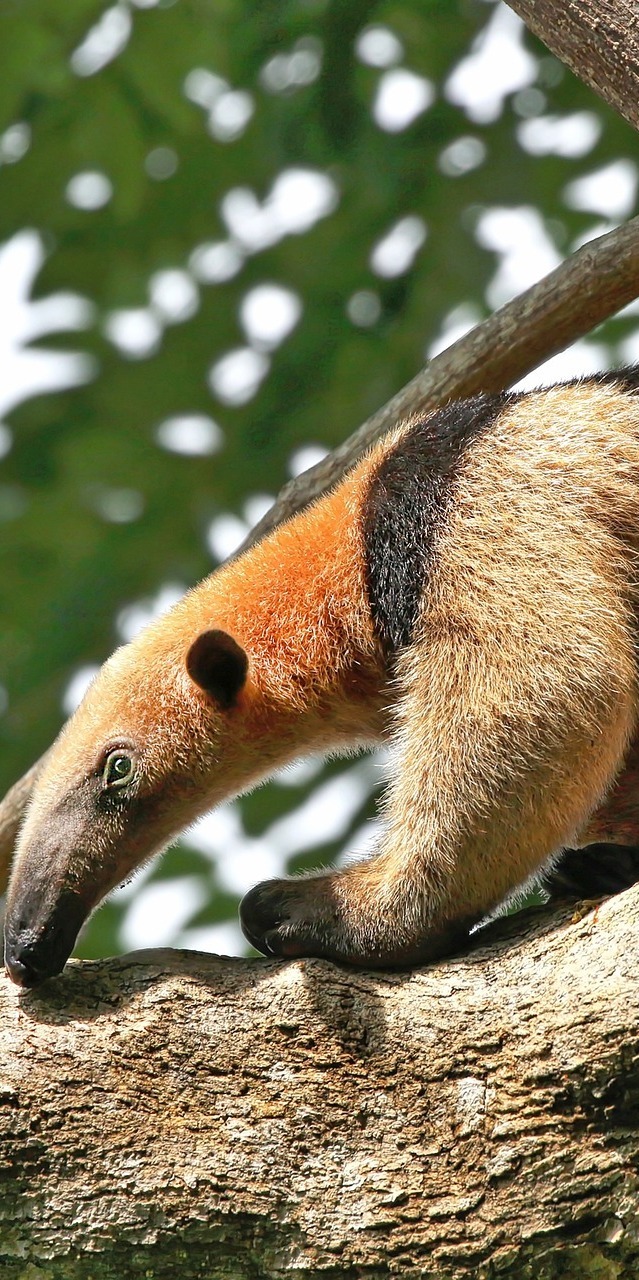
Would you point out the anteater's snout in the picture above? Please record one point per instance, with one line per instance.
(37, 949)
(26, 964)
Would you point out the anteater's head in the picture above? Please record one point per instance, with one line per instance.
(160, 736)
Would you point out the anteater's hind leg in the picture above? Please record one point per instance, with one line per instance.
(609, 862)
(616, 821)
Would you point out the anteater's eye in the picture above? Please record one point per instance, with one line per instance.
(119, 769)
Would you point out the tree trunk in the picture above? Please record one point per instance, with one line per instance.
(597, 39)
(170, 1113)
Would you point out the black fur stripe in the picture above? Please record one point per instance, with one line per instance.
(627, 378)
(407, 505)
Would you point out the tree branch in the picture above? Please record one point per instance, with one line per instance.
(589, 287)
(597, 39)
(12, 810)
(597, 281)
(174, 1113)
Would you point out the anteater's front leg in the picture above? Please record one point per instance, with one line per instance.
(504, 747)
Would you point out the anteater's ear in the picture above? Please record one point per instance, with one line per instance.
(218, 664)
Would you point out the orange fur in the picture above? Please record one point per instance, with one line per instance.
(297, 604)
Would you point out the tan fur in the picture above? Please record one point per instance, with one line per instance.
(520, 699)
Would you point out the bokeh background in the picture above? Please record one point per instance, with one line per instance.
(229, 231)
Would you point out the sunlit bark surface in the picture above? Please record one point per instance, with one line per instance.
(173, 1113)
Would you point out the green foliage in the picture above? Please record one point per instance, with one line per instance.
(68, 566)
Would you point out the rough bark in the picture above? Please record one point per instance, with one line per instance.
(170, 1114)
(597, 39)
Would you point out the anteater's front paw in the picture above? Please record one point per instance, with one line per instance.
(316, 916)
(281, 918)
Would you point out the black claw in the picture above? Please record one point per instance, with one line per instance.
(262, 911)
(273, 944)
